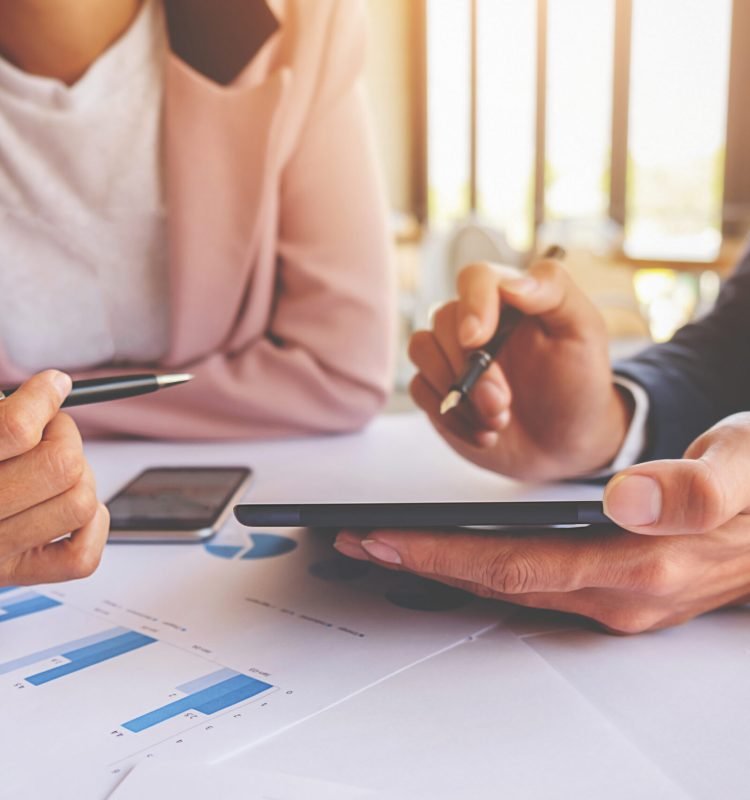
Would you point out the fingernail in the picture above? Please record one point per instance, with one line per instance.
(633, 501)
(469, 329)
(524, 285)
(504, 419)
(382, 552)
(63, 383)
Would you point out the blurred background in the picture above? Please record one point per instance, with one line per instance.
(619, 129)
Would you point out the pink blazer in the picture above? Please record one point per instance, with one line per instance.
(281, 286)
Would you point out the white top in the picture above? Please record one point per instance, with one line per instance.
(636, 438)
(83, 274)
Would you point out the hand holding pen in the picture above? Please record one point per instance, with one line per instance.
(52, 526)
(480, 360)
(543, 402)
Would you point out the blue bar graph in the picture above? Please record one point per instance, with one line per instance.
(92, 654)
(20, 597)
(207, 680)
(221, 694)
(25, 604)
(58, 650)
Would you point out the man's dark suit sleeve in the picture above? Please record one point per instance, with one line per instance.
(701, 376)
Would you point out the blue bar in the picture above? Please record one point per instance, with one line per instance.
(216, 698)
(19, 598)
(232, 698)
(93, 654)
(38, 603)
(207, 680)
(4, 589)
(57, 650)
(83, 653)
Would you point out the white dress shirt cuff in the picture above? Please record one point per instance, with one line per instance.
(636, 438)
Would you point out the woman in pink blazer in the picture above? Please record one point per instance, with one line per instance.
(279, 297)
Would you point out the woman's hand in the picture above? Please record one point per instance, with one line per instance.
(547, 409)
(47, 489)
(689, 551)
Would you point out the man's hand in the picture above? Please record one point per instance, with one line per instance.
(689, 551)
(547, 409)
(47, 489)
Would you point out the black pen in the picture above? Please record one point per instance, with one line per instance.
(115, 387)
(480, 360)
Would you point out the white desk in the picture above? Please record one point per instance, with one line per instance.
(537, 707)
(399, 457)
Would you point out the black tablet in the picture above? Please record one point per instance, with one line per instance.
(420, 515)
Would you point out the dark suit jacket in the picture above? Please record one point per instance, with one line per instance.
(702, 375)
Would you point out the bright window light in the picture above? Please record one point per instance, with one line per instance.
(506, 117)
(678, 116)
(448, 104)
(579, 108)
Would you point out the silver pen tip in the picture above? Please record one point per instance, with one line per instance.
(173, 380)
(451, 401)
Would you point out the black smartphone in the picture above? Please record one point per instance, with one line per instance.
(176, 504)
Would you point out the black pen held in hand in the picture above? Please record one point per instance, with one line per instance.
(479, 360)
(115, 387)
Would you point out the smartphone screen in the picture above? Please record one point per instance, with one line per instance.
(175, 500)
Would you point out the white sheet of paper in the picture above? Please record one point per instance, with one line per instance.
(219, 648)
(486, 719)
(159, 780)
(681, 695)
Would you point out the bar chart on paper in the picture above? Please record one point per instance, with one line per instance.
(127, 692)
(187, 653)
(22, 603)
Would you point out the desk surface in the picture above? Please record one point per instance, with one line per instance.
(397, 458)
(539, 706)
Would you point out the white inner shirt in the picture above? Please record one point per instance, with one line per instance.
(83, 267)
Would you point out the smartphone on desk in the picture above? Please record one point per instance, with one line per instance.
(176, 504)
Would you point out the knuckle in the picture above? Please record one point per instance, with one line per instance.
(659, 576)
(629, 621)
(725, 435)
(418, 345)
(508, 573)
(86, 562)
(430, 555)
(445, 316)
(470, 273)
(427, 560)
(82, 504)
(667, 577)
(21, 429)
(65, 464)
